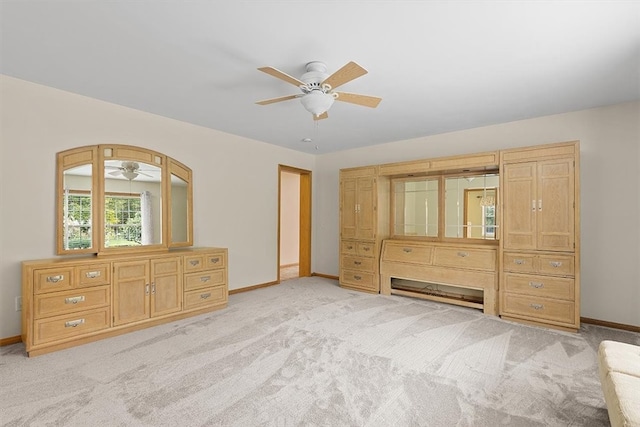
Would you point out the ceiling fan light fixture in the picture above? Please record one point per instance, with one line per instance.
(130, 175)
(317, 102)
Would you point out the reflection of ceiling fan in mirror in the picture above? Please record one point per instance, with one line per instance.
(129, 170)
(318, 87)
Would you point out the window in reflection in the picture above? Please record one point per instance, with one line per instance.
(470, 206)
(77, 209)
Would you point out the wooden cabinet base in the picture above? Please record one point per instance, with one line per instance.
(539, 324)
(38, 350)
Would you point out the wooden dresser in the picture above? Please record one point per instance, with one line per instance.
(72, 301)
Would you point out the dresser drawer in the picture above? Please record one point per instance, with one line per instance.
(51, 304)
(543, 286)
(520, 263)
(203, 279)
(561, 265)
(193, 263)
(204, 297)
(358, 279)
(348, 247)
(70, 325)
(213, 261)
(474, 259)
(94, 275)
(366, 249)
(539, 308)
(412, 254)
(357, 263)
(53, 279)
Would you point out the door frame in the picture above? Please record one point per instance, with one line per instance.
(304, 254)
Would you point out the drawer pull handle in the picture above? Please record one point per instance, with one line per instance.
(92, 274)
(146, 289)
(357, 277)
(55, 279)
(349, 247)
(407, 250)
(74, 300)
(366, 248)
(536, 285)
(205, 296)
(205, 279)
(463, 254)
(519, 261)
(73, 323)
(215, 260)
(194, 262)
(153, 287)
(357, 262)
(555, 264)
(536, 306)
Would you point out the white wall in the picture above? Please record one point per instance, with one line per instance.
(610, 194)
(235, 180)
(289, 218)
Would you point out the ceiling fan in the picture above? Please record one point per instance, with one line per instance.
(129, 170)
(318, 88)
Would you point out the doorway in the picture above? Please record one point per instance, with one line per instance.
(294, 223)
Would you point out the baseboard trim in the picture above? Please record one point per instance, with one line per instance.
(613, 325)
(326, 276)
(253, 288)
(10, 340)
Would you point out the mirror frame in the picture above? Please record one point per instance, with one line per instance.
(95, 155)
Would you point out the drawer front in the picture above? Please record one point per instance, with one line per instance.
(474, 259)
(214, 295)
(542, 286)
(53, 279)
(71, 325)
(193, 263)
(561, 265)
(408, 253)
(539, 308)
(94, 275)
(358, 279)
(357, 263)
(215, 260)
(348, 247)
(519, 263)
(71, 301)
(203, 279)
(366, 249)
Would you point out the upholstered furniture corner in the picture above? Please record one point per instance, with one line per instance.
(620, 378)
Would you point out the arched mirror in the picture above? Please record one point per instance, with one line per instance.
(122, 199)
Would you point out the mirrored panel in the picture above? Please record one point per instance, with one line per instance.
(470, 206)
(132, 204)
(77, 208)
(415, 210)
(179, 210)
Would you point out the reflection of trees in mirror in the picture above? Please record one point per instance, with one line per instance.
(123, 220)
(77, 219)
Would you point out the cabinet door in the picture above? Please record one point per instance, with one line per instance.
(166, 286)
(131, 291)
(348, 212)
(556, 195)
(519, 206)
(365, 219)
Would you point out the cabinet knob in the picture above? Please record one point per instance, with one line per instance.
(463, 254)
(205, 296)
(555, 264)
(205, 279)
(536, 285)
(357, 277)
(519, 261)
(536, 306)
(407, 250)
(194, 262)
(215, 260)
(357, 262)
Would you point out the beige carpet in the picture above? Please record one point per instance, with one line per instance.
(308, 353)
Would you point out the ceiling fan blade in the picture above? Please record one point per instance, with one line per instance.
(116, 173)
(324, 115)
(272, 100)
(345, 74)
(355, 98)
(280, 75)
(142, 173)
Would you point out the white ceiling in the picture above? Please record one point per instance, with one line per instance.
(439, 66)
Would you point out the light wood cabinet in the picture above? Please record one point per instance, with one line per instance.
(540, 253)
(362, 226)
(67, 302)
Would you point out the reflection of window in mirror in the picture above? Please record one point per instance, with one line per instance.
(470, 206)
(415, 207)
(77, 209)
